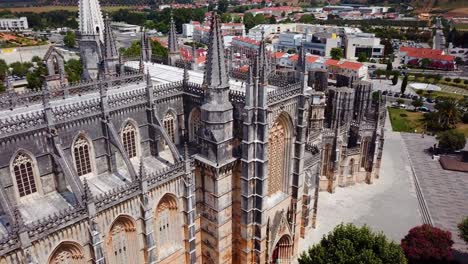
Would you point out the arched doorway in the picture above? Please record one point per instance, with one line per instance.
(68, 253)
(283, 251)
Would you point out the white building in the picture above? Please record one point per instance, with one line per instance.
(188, 28)
(17, 24)
(125, 28)
(358, 43)
(289, 40)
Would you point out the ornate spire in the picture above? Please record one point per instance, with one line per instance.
(149, 82)
(19, 223)
(90, 17)
(186, 74)
(216, 73)
(172, 40)
(110, 49)
(263, 61)
(301, 63)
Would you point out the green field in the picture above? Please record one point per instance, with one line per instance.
(408, 121)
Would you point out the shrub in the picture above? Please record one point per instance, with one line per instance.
(451, 140)
(465, 81)
(427, 245)
(457, 80)
(403, 115)
(351, 244)
(463, 228)
(465, 118)
(448, 79)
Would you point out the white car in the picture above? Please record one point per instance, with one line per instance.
(403, 106)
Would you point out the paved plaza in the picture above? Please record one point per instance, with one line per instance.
(445, 192)
(389, 205)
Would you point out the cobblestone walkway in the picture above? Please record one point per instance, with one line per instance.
(445, 192)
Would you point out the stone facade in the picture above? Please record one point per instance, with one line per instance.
(132, 169)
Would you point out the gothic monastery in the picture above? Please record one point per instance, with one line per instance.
(143, 162)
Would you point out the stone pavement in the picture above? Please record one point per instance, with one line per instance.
(389, 205)
(445, 192)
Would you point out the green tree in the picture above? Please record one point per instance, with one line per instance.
(308, 19)
(249, 20)
(74, 70)
(3, 70)
(389, 66)
(336, 53)
(272, 20)
(425, 62)
(70, 39)
(37, 60)
(463, 228)
(223, 6)
(362, 57)
(226, 18)
(259, 19)
(400, 101)
(417, 103)
(351, 244)
(451, 140)
(404, 83)
(34, 80)
(395, 79)
(20, 69)
(158, 49)
(448, 113)
(132, 51)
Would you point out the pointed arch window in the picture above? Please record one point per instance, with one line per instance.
(170, 126)
(81, 153)
(195, 123)
(23, 170)
(68, 253)
(129, 138)
(167, 226)
(278, 152)
(122, 242)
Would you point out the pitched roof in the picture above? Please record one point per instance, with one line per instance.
(351, 65)
(425, 53)
(331, 62)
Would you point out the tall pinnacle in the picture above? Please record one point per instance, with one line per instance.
(216, 73)
(110, 49)
(90, 18)
(263, 61)
(172, 40)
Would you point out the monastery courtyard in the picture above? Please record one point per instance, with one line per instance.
(391, 204)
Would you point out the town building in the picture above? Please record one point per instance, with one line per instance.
(437, 59)
(278, 11)
(152, 163)
(125, 28)
(366, 43)
(14, 24)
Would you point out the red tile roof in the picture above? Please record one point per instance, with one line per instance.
(351, 65)
(247, 40)
(425, 53)
(331, 62)
(278, 54)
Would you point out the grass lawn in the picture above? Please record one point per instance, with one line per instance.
(436, 94)
(408, 123)
(413, 121)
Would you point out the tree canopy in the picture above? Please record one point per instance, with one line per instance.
(451, 140)
(351, 244)
(74, 70)
(427, 245)
(336, 53)
(70, 39)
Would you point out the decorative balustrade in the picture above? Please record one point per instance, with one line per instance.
(78, 109)
(167, 89)
(283, 93)
(9, 242)
(43, 227)
(22, 122)
(117, 195)
(194, 89)
(11, 100)
(127, 98)
(165, 174)
(236, 96)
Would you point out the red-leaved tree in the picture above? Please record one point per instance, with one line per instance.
(427, 245)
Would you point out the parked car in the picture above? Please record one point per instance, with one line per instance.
(403, 106)
(384, 92)
(396, 95)
(429, 100)
(390, 94)
(423, 109)
(415, 97)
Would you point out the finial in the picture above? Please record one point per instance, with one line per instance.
(186, 151)
(19, 223)
(142, 169)
(87, 195)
